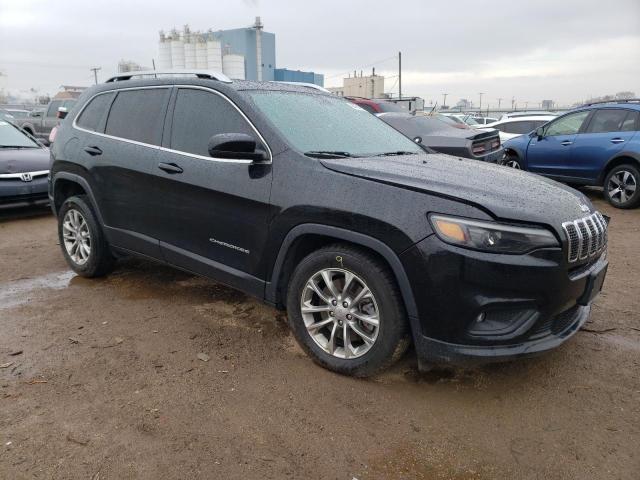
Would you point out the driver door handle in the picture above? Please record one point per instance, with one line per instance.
(617, 140)
(93, 150)
(566, 143)
(170, 167)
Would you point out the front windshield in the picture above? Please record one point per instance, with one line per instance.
(10, 136)
(323, 123)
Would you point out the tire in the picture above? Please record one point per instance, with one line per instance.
(386, 342)
(512, 161)
(622, 186)
(77, 224)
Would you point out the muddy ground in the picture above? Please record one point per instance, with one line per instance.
(100, 379)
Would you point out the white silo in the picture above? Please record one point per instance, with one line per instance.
(189, 53)
(201, 53)
(233, 66)
(164, 52)
(177, 50)
(214, 54)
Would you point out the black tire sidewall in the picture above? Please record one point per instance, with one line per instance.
(635, 200)
(393, 325)
(95, 265)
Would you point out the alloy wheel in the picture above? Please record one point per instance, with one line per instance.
(340, 313)
(513, 164)
(622, 186)
(76, 236)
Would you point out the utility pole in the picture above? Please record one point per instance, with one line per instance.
(95, 73)
(444, 100)
(499, 102)
(400, 75)
(513, 101)
(481, 93)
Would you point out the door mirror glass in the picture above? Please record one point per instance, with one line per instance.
(238, 146)
(540, 132)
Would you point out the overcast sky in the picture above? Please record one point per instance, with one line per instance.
(562, 50)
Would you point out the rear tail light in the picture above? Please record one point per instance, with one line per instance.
(495, 143)
(52, 135)
(478, 149)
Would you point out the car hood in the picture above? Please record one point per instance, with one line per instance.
(506, 193)
(21, 160)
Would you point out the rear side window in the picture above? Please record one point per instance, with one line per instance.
(519, 128)
(138, 115)
(199, 114)
(632, 122)
(94, 112)
(607, 120)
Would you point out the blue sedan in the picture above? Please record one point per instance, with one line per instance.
(597, 144)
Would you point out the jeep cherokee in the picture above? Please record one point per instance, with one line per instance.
(308, 202)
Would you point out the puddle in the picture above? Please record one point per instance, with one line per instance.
(18, 292)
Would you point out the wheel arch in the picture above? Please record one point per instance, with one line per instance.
(304, 239)
(622, 158)
(65, 184)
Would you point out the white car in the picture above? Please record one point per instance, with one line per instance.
(515, 126)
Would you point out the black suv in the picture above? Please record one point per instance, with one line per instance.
(308, 202)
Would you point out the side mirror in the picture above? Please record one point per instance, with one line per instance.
(238, 146)
(62, 112)
(35, 113)
(540, 132)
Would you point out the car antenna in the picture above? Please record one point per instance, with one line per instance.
(434, 107)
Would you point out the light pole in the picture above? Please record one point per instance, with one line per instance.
(481, 93)
(444, 99)
(499, 102)
(95, 73)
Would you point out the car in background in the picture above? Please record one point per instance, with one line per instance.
(376, 106)
(597, 144)
(527, 113)
(6, 115)
(515, 126)
(436, 134)
(18, 112)
(39, 123)
(484, 120)
(24, 167)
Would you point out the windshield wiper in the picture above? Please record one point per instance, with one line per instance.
(392, 154)
(16, 146)
(327, 154)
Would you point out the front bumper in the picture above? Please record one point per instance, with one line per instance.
(17, 194)
(476, 307)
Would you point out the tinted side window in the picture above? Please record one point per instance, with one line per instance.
(90, 117)
(607, 120)
(138, 115)
(198, 115)
(520, 128)
(632, 122)
(52, 111)
(567, 125)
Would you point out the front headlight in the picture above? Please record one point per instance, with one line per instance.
(491, 236)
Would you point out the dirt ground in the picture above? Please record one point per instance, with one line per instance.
(100, 379)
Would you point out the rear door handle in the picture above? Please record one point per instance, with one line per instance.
(566, 143)
(170, 167)
(93, 151)
(617, 140)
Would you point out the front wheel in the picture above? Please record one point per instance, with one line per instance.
(512, 161)
(345, 311)
(621, 186)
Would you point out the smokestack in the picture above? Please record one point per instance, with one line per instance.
(258, 28)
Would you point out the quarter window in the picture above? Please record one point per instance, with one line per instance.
(52, 111)
(631, 123)
(93, 113)
(198, 115)
(138, 115)
(607, 120)
(567, 125)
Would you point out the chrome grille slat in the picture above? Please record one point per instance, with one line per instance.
(586, 237)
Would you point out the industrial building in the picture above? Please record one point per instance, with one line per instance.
(370, 86)
(240, 53)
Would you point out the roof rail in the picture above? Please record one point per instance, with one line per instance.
(303, 84)
(210, 74)
(628, 100)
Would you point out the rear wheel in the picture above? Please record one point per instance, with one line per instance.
(621, 186)
(82, 240)
(345, 311)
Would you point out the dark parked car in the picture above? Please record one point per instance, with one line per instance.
(597, 144)
(376, 106)
(440, 136)
(294, 196)
(24, 166)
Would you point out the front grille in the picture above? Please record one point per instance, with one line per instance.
(586, 237)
